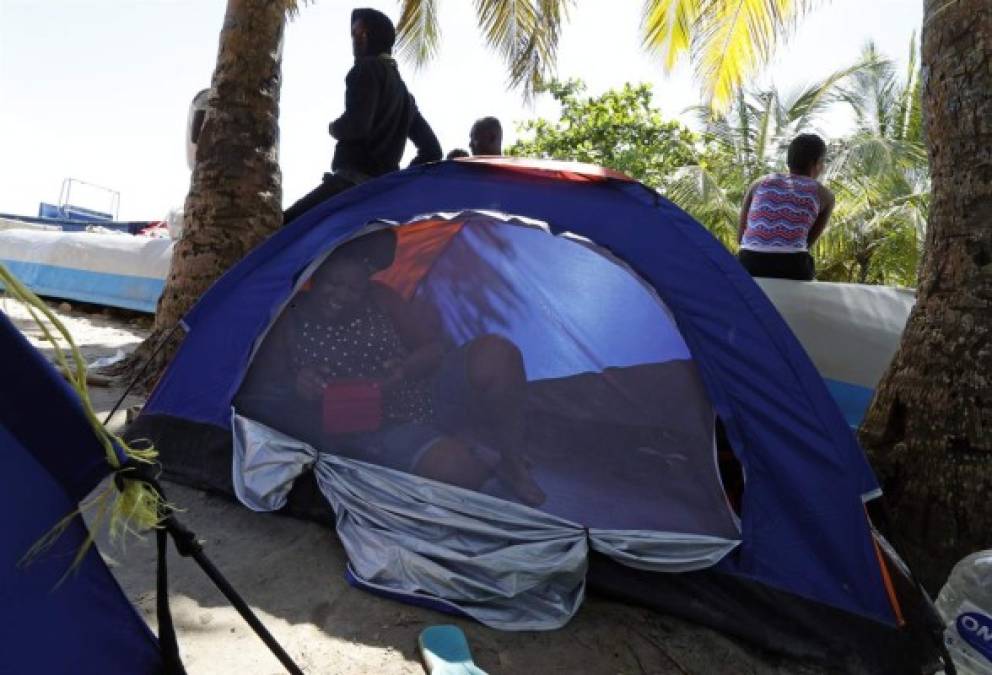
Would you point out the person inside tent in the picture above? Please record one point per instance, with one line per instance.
(355, 346)
(457, 153)
(379, 116)
(486, 137)
(785, 213)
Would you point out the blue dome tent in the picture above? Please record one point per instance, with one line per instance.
(50, 460)
(61, 609)
(687, 452)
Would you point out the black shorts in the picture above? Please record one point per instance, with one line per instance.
(798, 266)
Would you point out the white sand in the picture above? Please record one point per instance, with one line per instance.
(292, 574)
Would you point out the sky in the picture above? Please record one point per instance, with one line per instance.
(98, 90)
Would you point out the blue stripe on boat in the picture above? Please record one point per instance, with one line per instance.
(852, 399)
(101, 288)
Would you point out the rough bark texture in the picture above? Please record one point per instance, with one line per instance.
(235, 196)
(929, 430)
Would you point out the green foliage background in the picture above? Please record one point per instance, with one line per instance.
(878, 171)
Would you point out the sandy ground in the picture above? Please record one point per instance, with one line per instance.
(291, 573)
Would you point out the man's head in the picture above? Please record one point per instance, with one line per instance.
(372, 33)
(486, 137)
(807, 155)
(457, 153)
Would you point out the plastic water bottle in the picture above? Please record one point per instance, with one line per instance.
(965, 603)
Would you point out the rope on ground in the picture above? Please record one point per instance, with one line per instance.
(140, 373)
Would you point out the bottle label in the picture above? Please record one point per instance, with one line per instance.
(975, 628)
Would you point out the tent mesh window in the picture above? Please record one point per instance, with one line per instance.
(481, 351)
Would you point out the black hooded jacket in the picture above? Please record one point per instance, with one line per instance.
(379, 115)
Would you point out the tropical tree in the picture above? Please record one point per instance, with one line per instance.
(235, 195)
(879, 174)
(620, 129)
(876, 231)
(743, 142)
(929, 429)
(727, 39)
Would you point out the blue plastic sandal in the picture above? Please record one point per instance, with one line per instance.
(445, 651)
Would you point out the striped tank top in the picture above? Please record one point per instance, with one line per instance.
(783, 209)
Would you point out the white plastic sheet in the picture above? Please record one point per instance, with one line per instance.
(507, 565)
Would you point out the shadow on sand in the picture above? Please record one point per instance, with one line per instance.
(292, 573)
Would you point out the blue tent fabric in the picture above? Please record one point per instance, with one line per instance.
(49, 460)
(804, 528)
(527, 271)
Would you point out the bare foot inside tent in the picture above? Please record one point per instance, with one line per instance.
(513, 471)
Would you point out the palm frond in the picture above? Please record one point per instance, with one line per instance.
(765, 126)
(906, 113)
(735, 37)
(292, 7)
(805, 106)
(668, 27)
(698, 191)
(418, 34)
(526, 33)
(727, 40)
(745, 134)
(873, 93)
(913, 133)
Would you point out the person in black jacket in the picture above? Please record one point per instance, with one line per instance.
(380, 115)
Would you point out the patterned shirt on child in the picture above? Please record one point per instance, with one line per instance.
(359, 347)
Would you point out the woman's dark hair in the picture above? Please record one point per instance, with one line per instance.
(805, 151)
(375, 249)
(381, 32)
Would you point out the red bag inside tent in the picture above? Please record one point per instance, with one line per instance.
(352, 406)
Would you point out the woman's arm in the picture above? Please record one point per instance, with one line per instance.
(826, 208)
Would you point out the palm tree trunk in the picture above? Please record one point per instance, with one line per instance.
(929, 430)
(235, 195)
